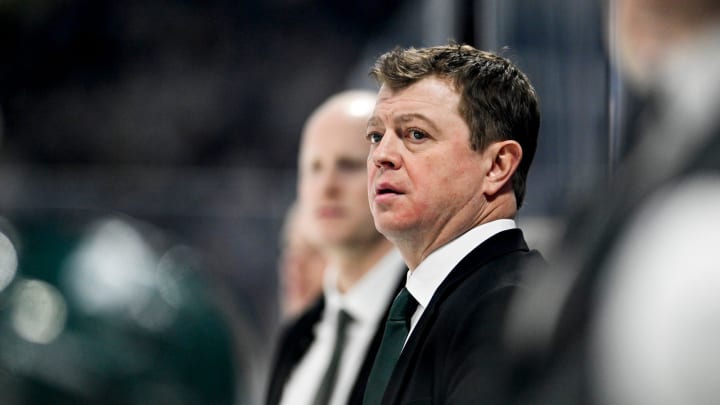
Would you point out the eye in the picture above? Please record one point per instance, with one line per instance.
(416, 134)
(374, 137)
(350, 165)
(315, 167)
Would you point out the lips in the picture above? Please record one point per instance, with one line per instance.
(382, 189)
(329, 212)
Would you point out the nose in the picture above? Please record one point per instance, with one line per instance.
(329, 183)
(385, 154)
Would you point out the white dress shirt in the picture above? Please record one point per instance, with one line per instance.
(366, 302)
(427, 277)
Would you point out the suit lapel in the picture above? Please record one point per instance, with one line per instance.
(295, 341)
(498, 245)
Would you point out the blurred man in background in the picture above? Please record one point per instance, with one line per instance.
(630, 316)
(325, 355)
(301, 266)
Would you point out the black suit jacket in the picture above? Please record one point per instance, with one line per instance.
(454, 355)
(295, 340)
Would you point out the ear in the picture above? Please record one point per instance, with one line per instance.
(505, 157)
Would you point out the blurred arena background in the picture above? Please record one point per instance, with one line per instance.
(184, 116)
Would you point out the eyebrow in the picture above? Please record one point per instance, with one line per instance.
(416, 116)
(352, 160)
(373, 121)
(404, 118)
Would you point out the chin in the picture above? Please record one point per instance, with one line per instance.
(390, 229)
(333, 238)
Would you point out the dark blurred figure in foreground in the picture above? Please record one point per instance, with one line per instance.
(630, 315)
(301, 266)
(108, 310)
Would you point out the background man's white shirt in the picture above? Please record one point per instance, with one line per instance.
(366, 302)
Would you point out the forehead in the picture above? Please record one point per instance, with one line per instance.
(432, 94)
(335, 132)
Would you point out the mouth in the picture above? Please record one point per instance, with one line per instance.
(329, 212)
(384, 189)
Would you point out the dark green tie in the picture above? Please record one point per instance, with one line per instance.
(327, 384)
(396, 331)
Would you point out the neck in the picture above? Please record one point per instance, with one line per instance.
(352, 263)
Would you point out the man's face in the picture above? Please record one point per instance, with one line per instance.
(424, 180)
(302, 268)
(646, 30)
(640, 35)
(332, 184)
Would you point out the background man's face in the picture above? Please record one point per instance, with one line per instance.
(333, 179)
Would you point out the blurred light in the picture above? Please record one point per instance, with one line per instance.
(171, 269)
(8, 261)
(112, 270)
(362, 107)
(39, 311)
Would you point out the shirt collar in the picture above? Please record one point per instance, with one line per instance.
(368, 299)
(427, 277)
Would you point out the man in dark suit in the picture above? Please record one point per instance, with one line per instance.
(635, 316)
(452, 137)
(325, 355)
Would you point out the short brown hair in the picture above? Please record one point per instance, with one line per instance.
(497, 100)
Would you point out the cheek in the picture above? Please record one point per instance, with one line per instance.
(369, 185)
(429, 204)
(357, 190)
(434, 178)
(306, 191)
(359, 184)
(446, 184)
(370, 172)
